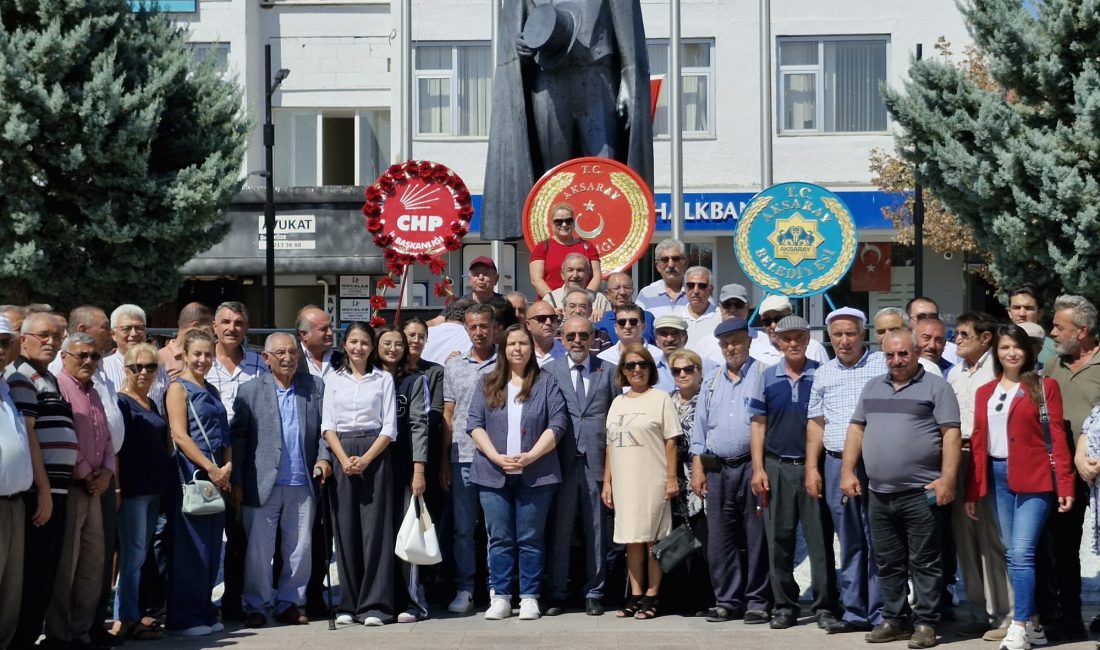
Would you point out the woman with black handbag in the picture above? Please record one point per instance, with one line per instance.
(1020, 459)
(200, 430)
(640, 474)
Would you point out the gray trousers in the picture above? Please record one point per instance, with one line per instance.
(578, 495)
(71, 612)
(288, 512)
(11, 565)
(981, 555)
(788, 505)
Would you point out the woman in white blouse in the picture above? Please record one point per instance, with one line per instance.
(359, 421)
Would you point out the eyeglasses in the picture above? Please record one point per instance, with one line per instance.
(564, 222)
(733, 303)
(903, 354)
(675, 259)
(136, 368)
(691, 286)
(278, 354)
(1001, 402)
(634, 365)
(46, 336)
(623, 322)
(83, 356)
(768, 321)
(127, 329)
(684, 370)
(928, 316)
(573, 336)
(962, 336)
(544, 318)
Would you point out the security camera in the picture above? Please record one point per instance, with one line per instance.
(949, 255)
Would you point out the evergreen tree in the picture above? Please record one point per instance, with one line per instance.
(117, 153)
(1019, 165)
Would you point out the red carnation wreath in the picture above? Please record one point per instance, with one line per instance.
(416, 212)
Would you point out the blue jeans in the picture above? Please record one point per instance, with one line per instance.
(1021, 518)
(464, 502)
(137, 519)
(515, 516)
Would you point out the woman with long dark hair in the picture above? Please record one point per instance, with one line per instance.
(416, 332)
(359, 420)
(517, 415)
(408, 454)
(1022, 464)
(200, 431)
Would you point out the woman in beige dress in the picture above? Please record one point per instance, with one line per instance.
(640, 474)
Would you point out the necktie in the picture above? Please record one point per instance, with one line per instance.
(580, 383)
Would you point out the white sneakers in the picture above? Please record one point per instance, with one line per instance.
(344, 619)
(528, 609)
(501, 608)
(462, 604)
(1016, 638)
(372, 621)
(1036, 635)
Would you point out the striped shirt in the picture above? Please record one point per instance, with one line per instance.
(37, 396)
(227, 383)
(836, 392)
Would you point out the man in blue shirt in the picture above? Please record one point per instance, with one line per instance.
(779, 459)
(277, 447)
(722, 473)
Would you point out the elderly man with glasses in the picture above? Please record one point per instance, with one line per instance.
(127, 330)
(765, 344)
(542, 323)
(667, 293)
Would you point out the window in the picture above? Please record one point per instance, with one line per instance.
(697, 75)
(218, 51)
(331, 148)
(832, 86)
(452, 90)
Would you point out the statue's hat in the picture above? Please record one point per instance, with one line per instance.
(550, 31)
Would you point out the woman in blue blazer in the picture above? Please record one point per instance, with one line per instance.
(517, 415)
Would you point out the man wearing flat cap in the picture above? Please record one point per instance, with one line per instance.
(779, 460)
(721, 473)
(765, 345)
(833, 397)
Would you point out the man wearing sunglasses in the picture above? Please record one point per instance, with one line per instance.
(980, 551)
(765, 345)
(542, 323)
(71, 614)
(923, 307)
(667, 293)
(629, 324)
(620, 291)
(587, 382)
(579, 303)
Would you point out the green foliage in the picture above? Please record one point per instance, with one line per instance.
(117, 153)
(1019, 166)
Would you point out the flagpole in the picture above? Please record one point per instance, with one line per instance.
(496, 251)
(676, 135)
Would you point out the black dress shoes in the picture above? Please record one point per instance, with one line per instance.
(593, 607)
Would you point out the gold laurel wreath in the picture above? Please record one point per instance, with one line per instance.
(840, 266)
(636, 238)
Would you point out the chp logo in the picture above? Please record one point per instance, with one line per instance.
(613, 207)
(796, 239)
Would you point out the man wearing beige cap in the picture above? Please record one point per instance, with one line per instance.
(765, 346)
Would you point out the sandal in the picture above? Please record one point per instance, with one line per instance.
(630, 609)
(647, 609)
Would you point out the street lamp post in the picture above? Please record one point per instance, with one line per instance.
(271, 84)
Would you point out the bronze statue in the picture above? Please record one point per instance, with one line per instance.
(572, 79)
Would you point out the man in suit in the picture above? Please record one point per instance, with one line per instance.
(276, 432)
(315, 333)
(587, 383)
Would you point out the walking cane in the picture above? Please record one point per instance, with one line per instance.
(327, 525)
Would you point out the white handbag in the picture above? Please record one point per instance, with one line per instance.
(416, 539)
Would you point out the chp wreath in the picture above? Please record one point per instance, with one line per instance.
(396, 262)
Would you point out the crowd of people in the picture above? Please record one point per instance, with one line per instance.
(555, 438)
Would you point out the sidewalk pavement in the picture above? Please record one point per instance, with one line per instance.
(574, 631)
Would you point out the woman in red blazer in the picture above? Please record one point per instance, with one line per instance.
(1010, 462)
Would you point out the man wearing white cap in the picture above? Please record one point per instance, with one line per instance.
(833, 398)
(16, 475)
(765, 347)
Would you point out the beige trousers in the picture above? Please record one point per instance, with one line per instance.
(981, 555)
(71, 612)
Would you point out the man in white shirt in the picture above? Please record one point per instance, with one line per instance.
(628, 326)
(890, 319)
(923, 307)
(978, 542)
(127, 330)
(765, 346)
(233, 365)
(542, 323)
(316, 336)
(16, 475)
(449, 337)
(667, 293)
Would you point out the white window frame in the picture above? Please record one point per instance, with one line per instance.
(781, 71)
(320, 114)
(707, 73)
(453, 78)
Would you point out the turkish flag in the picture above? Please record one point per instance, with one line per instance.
(871, 268)
(654, 93)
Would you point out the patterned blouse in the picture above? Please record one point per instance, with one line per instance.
(688, 504)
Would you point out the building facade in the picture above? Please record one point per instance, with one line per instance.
(338, 126)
